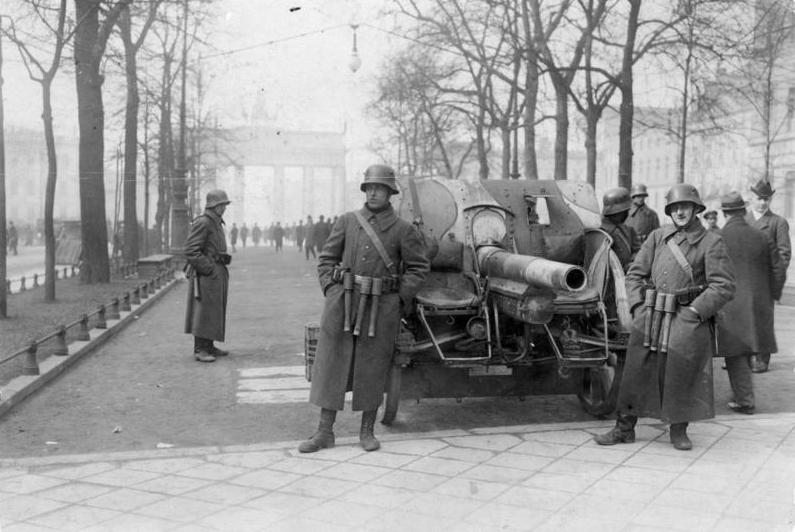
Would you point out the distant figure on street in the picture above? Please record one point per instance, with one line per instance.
(711, 221)
(642, 218)
(278, 236)
(243, 234)
(233, 236)
(206, 269)
(668, 373)
(776, 229)
(320, 233)
(12, 238)
(745, 324)
(371, 245)
(256, 234)
(309, 244)
(615, 209)
(299, 235)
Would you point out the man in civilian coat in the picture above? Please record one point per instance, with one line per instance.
(208, 276)
(642, 219)
(675, 386)
(745, 324)
(345, 361)
(777, 230)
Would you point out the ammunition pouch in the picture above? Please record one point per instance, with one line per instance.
(685, 296)
(224, 258)
(389, 284)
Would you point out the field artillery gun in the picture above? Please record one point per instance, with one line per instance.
(524, 297)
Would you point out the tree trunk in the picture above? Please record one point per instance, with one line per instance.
(480, 142)
(3, 243)
(591, 123)
(531, 100)
(627, 105)
(130, 238)
(561, 131)
(505, 133)
(95, 266)
(49, 194)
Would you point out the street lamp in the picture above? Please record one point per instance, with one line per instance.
(355, 61)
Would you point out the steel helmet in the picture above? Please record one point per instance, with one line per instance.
(616, 200)
(639, 190)
(216, 197)
(382, 175)
(683, 192)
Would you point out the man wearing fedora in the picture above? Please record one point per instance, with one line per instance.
(370, 268)
(745, 324)
(776, 229)
(642, 219)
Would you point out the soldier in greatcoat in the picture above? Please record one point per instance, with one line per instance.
(351, 263)
(642, 219)
(776, 229)
(745, 324)
(615, 209)
(208, 276)
(691, 265)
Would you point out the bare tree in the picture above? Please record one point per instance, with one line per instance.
(57, 35)
(3, 243)
(91, 38)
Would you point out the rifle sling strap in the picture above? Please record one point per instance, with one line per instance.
(680, 258)
(379, 246)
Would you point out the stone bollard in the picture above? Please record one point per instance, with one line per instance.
(30, 366)
(156, 281)
(61, 349)
(136, 296)
(112, 312)
(125, 303)
(22, 287)
(101, 321)
(144, 291)
(151, 287)
(35, 280)
(83, 334)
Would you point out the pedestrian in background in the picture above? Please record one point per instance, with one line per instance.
(309, 244)
(208, 276)
(12, 238)
(278, 236)
(745, 324)
(299, 235)
(674, 382)
(711, 220)
(233, 236)
(642, 218)
(776, 229)
(320, 233)
(256, 234)
(243, 234)
(371, 245)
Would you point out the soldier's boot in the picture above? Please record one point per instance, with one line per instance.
(623, 432)
(679, 437)
(202, 349)
(217, 352)
(366, 437)
(324, 437)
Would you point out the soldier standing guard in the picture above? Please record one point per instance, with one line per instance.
(776, 229)
(371, 266)
(206, 269)
(642, 218)
(615, 208)
(686, 273)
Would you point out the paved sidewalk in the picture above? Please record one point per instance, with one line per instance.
(740, 476)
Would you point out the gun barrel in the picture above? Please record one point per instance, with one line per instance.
(530, 269)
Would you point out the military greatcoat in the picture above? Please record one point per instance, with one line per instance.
(676, 387)
(344, 362)
(745, 324)
(777, 230)
(643, 220)
(208, 278)
(625, 242)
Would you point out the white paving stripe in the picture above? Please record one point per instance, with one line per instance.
(272, 385)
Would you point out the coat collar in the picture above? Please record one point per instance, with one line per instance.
(736, 220)
(693, 233)
(384, 219)
(213, 216)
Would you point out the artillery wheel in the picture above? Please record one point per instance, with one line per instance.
(392, 394)
(599, 391)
